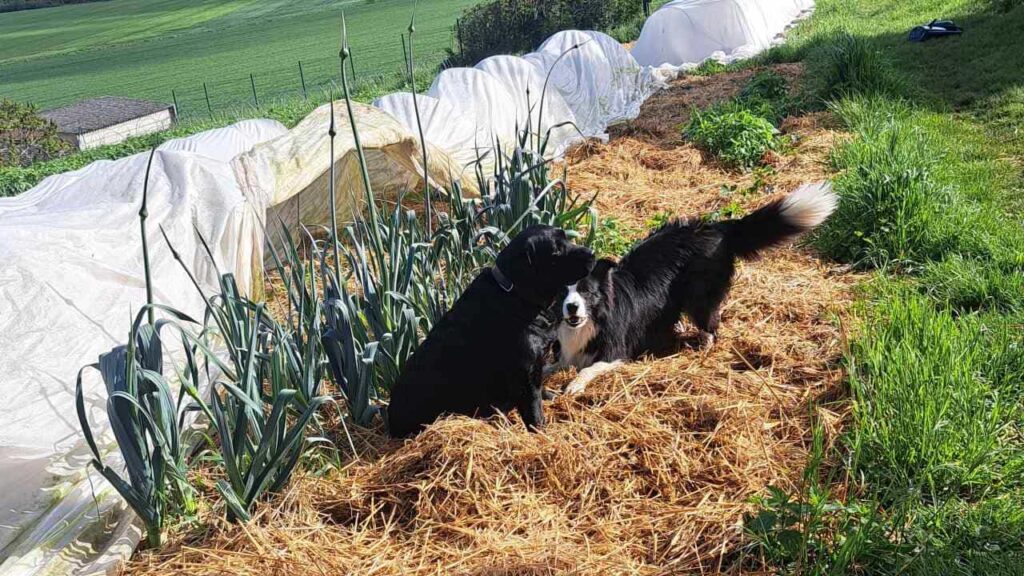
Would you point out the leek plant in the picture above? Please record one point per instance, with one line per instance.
(266, 365)
(147, 422)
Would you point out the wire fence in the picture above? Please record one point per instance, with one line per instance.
(372, 70)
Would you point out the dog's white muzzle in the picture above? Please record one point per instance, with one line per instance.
(574, 309)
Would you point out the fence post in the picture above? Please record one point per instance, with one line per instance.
(255, 98)
(302, 78)
(174, 97)
(208, 107)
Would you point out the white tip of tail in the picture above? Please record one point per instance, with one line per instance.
(809, 205)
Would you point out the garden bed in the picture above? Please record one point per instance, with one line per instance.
(650, 471)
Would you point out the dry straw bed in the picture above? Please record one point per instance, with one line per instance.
(648, 472)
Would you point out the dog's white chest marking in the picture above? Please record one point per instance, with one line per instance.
(574, 342)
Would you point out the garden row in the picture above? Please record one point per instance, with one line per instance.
(358, 303)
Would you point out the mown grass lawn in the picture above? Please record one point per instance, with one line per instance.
(929, 479)
(144, 49)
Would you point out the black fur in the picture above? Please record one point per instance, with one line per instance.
(487, 353)
(685, 267)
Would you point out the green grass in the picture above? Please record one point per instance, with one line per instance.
(930, 190)
(142, 48)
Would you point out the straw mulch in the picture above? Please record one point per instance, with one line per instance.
(648, 472)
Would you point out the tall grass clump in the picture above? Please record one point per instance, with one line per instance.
(909, 197)
(971, 285)
(935, 397)
(848, 65)
(892, 211)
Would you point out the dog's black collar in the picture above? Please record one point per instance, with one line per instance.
(502, 280)
(506, 285)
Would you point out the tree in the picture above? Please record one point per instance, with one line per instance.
(26, 137)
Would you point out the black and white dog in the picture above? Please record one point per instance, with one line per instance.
(625, 310)
(489, 351)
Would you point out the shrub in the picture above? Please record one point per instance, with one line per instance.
(514, 26)
(737, 136)
(25, 137)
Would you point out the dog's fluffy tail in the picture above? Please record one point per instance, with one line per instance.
(800, 211)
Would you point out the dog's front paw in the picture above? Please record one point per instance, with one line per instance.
(579, 384)
(705, 340)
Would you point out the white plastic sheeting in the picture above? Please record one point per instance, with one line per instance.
(482, 100)
(544, 112)
(684, 33)
(599, 80)
(443, 126)
(592, 82)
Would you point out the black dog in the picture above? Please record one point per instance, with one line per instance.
(622, 311)
(488, 352)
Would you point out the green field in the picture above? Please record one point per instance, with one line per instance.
(146, 48)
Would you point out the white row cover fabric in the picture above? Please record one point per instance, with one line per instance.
(544, 112)
(482, 100)
(443, 127)
(592, 82)
(71, 281)
(601, 82)
(683, 33)
(288, 177)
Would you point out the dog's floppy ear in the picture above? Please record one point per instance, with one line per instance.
(603, 273)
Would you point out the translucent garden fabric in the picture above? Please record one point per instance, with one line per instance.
(684, 33)
(592, 82)
(71, 280)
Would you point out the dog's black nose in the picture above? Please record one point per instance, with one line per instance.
(572, 307)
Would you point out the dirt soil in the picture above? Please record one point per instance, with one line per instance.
(649, 471)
